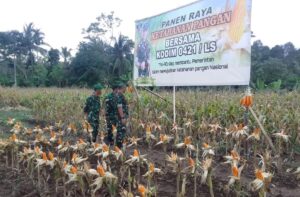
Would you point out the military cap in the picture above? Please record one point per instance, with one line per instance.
(118, 84)
(98, 86)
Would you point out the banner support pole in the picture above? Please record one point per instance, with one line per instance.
(174, 104)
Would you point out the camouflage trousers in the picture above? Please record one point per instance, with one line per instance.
(95, 126)
(109, 125)
(121, 132)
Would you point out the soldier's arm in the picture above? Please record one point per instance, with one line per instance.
(107, 104)
(121, 113)
(120, 108)
(86, 108)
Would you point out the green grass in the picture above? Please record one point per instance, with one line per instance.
(23, 116)
(19, 115)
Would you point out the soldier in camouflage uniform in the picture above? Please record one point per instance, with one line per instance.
(111, 113)
(122, 108)
(92, 110)
(143, 52)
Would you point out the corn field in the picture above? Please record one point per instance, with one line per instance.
(223, 143)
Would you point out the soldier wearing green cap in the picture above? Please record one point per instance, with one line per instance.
(122, 108)
(92, 110)
(111, 113)
(116, 113)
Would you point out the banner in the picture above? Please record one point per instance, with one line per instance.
(204, 43)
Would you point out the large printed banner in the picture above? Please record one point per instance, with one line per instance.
(203, 43)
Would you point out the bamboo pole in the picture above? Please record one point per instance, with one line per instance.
(162, 98)
(262, 129)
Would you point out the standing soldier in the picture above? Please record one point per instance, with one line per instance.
(111, 113)
(122, 108)
(92, 110)
(143, 52)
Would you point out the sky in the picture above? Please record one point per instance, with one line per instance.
(273, 22)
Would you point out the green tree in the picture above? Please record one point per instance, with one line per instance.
(57, 75)
(37, 77)
(122, 51)
(11, 51)
(277, 52)
(103, 28)
(33, 42)
(102, 57)
(11, 44)
(276, 67)
(90, 63)
(66, 54)
(53, 57)
(20, 49)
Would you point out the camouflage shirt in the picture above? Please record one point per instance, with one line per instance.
(123, 103)
(111, 111)
(92, 108)
(143, 51)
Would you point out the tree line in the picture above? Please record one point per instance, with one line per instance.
(27, 61)
(277, 67)
(101, 57)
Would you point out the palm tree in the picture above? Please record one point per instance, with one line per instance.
(122, 53)
(33, 40)
(66, 54)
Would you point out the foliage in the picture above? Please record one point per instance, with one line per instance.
(102, 57)
(53, 57)
(38, 75)
(278, 67)
(56, 76)
(90, 64)
(66, 54)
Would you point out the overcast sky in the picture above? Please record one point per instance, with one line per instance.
(273, 21)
